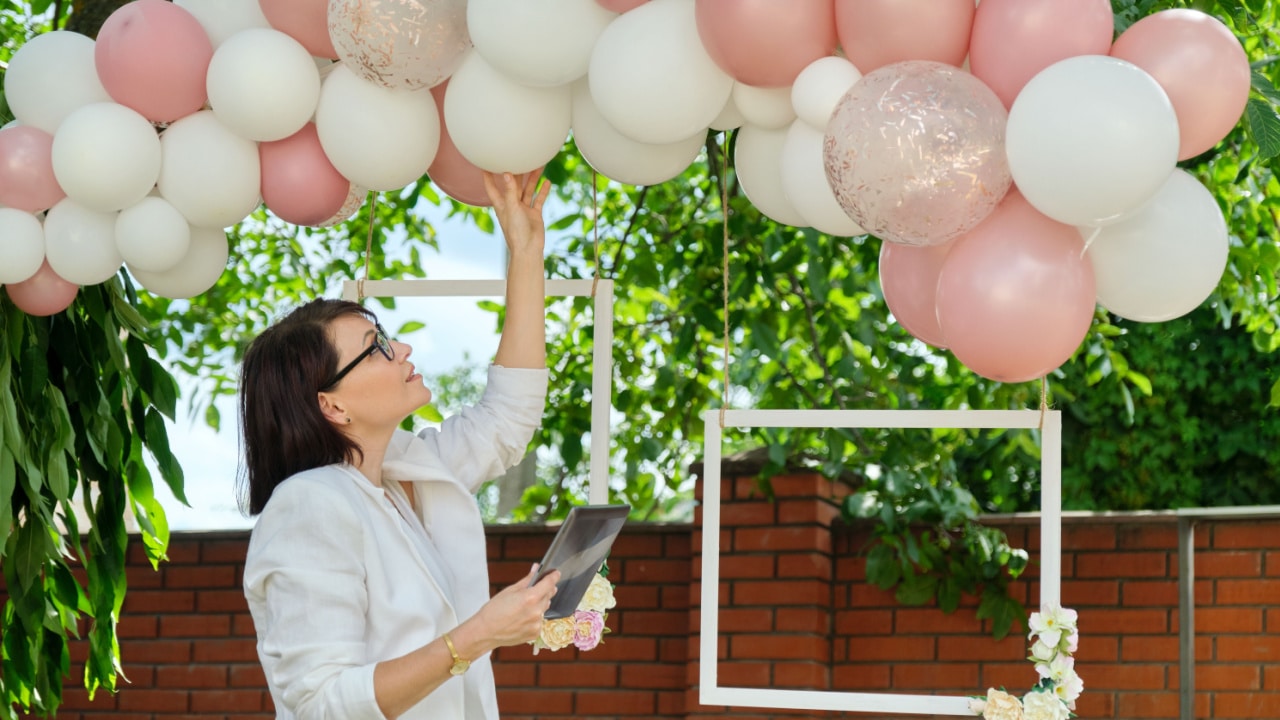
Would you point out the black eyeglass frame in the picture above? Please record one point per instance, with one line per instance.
(381, 343)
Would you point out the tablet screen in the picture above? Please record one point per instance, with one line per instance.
(578, 550)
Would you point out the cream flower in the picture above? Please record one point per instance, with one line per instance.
(1044, 706)
(599, 596)
(557, 633)
(1043, 653)
(1001, 706)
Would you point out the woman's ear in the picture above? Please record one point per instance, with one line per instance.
(332, 409)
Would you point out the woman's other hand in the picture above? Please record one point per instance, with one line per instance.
(517, 201)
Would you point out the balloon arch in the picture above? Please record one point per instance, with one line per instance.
(1018, 162)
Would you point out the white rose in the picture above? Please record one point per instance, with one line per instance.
(599, 597)
(1044, 706)
(1001, 706)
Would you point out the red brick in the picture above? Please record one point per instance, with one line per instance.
(1146, 593)
(748, 620)
(982, 648)
(1106, 621)
(225, 651)
(802, 620)
(800, 592)
(1082, 593)
(1014, 676)
(136, 626)
(892, 648)
(195, 626)
(200, 576)
(1273, 564)
(804, 565)
(248, 676)
(1143, 537)
(148, 700)
(1271, 677)
(614, 702)
(1246, 705)
(782, 538)
(1248, 592)
(1098, 648)
(779, 647)
(806, 511)
(733, 567)
(941, 677)
(626, 649)
(932, 621)
(648, 570)
(1122, 565)
(745, 514)
(1147, 649)
(1236, 648)
(628, 546)
(652, 677)
(1228, 563)
(191, 676)
(213, 701)
(850, 678)
(158, 601)
(638, 596)
(1147, 704)
(1088, 537)
(1252, 534)
(584, 674)
(1228, 620)
(806, 485)
(157, 652)
(1096, 705)
(221, 601)
(675, 597)
(864, 622)
(1228, 677)
(223, 551)
(661, 622)
(744, 674)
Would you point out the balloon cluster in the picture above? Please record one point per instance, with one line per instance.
(984, 180)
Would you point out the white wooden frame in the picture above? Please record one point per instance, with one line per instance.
(601, 360)
(710, 690)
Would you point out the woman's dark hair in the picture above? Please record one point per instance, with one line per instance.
(283, 429)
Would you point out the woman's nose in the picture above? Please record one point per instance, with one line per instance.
(403, 349)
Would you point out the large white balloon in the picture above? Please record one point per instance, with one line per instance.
(768, 108)
(543, 43)
(804, 182)
(210, 174)
(198, 270)
(378, 138)
(652, 78)
(500, 125)
(617, 156)
(1164, 260)
(223, 18)
(106, 156)
(152, 235)
(263, 85)
(21, 245)
(80, 243)
(730, 117)
(757, 156)
(51, 75)
(1091, 138)
(819, 87)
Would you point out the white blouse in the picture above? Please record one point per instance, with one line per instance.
(338, 579)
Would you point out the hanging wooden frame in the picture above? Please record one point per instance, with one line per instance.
(602, 353)
(710, 690)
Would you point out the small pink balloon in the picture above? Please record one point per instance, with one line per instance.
(1013, 40)
(299, 184)
(453, 173)
(621, 6)
(875, 33)
(1201, 66)
(306, 21)
(909, 280)
(27, 182)
(1016, 294)
(765, 43)
(42, 294)
(152, 56)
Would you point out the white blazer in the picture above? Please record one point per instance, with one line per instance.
(335, 584)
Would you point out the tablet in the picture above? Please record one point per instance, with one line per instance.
(578, 550)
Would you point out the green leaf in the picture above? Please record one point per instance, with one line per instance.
(883, 569)
(1264, 124)
(1264, 86)
(917, 590)
(158, 443)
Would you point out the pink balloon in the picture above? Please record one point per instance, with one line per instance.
(621, 6)
(875, 33)
(909, 280)
(43, 293)
(299, 184)
(453, 173)
(1201, 66)
(914, 152)
(26, 170)
(1013, 40)
(152, 56)
(766, 43)
(306, 21)
(1016, 294)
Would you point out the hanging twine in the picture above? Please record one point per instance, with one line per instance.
(368, 247)
(724, 268)
(1044, 399)
(595, 232)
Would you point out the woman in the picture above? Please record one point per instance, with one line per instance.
(366, 573)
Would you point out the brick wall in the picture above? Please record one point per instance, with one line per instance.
(795, 614)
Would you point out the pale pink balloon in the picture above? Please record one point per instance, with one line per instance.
(152, 56)
(621, 6)
(765, 43)
(909, 280)
(1012, 40)
(1016, 294)
(914, 152)
(453, 173)
(875, 33)
(42, 294)
(1201, 66)
(306, 21)
(299, 184)
(26, 170)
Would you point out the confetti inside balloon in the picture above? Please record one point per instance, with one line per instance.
(915, 152)
(400, 44)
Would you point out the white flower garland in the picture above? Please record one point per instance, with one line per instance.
(1054, 637)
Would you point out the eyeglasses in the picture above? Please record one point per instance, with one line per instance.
(381, 343)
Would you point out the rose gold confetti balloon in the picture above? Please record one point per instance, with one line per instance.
(914, 152)
(400, 44)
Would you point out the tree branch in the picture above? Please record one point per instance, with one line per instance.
(813, 335)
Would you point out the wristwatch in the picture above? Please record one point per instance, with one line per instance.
(459, 665)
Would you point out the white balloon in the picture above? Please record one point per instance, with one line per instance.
(50, 76)
(543, 43)
(757, 156)
(21, 245)
(210, 174)
(198, 270)
(80, 243)
(819, 87)
(652, 78)
(263, 85)
(223, 18)
(106, 156)
(617, 156)
(500, 125)
(1164, 260)
(768, 108)
(152, 235)
(1090, 138)
(804, 182)
(375, 137)
(730, 117)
